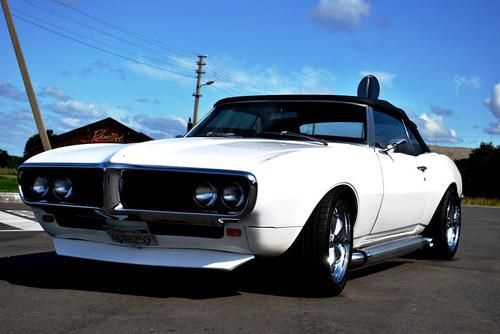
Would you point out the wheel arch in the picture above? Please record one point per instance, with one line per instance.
(349, 193)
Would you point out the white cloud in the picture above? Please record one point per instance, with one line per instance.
(493, 129)
(238, 79)
(314, 80)
(100, 65)
(51, 91)
(385, 78)
(432, 127)
(9, 91)
(463, 81)
(180, 72)
(77, 109)
(341, 15)
(493, 102)
(160, 127)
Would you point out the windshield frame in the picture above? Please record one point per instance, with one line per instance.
(194, 132)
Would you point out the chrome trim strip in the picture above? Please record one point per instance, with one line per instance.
(379, 253)
(62, 165)
(193, 170)
(42, 204)
(174, 215)
(109, 165)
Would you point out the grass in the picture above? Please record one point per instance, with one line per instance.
(481, 201)
(8, 184)
(7, 171)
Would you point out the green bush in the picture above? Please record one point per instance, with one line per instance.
(8, 184)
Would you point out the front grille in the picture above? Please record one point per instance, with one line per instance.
(87, 185)
(172, 191)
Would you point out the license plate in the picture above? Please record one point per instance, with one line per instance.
(137, 237)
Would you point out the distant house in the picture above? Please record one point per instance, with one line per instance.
(107, 130)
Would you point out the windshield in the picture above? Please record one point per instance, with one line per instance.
(325, 120)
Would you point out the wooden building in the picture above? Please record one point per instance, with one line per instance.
(107, 130)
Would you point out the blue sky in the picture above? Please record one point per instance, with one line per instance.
(436, 59)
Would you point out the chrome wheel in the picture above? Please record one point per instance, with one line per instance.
(453, 219)
(339, 243)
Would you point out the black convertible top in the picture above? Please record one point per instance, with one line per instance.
(376, 104)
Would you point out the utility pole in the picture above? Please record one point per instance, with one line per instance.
(197, 95)
(26, 77)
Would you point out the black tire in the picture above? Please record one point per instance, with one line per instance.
(314, 246)
(445, 226)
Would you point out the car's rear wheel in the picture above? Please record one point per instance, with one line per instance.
(326, 242)
(445, 226)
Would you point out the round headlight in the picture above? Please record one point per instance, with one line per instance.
(233, 195)
(40, 186)
(63, 187)
(205, 194)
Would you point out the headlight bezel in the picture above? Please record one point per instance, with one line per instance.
(55, 188)
(214, 191)
(85, 179)
(47, 185)
(240, 201)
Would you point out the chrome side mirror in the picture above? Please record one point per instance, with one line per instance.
(398, 145)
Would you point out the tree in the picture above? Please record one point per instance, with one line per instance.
(8, 161)
(4, 158)
(481, 171)
(34, 144)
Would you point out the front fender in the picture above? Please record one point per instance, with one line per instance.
(291, 186)
(440, 174)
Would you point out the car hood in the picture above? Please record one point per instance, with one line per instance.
(215, 153)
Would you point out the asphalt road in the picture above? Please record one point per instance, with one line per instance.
(41, 292)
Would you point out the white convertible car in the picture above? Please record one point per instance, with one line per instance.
(333, 182)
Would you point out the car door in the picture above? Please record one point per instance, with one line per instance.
(405, 194)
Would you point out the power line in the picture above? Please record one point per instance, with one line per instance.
(232, 82)
(215, 70)
(230, 78)
(227, 74)
(223, 90)
(223, 74)
(141, 47)
(235, 83)
(103, 50)
(229, 86)
(169, 47)
(81, 36)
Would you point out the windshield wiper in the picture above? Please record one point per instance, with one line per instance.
(297, 135)
(220, 134)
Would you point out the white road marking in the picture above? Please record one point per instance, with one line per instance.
(22, 224)
(23, 213)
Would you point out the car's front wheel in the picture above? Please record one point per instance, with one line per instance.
(445, 226)
(326, 242)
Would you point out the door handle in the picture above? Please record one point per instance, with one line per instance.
(422, 168)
